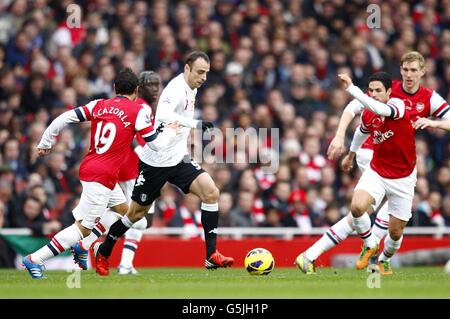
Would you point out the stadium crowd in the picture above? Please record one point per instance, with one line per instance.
(273, 65)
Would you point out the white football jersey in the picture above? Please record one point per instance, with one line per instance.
(176, 103)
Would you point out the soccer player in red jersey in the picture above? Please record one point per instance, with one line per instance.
(150, 86)
(419, 102)
(393, 176)
(115, 122)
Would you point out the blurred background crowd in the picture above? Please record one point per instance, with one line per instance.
(273, 65)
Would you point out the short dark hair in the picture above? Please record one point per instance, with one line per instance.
(146, 76)
(383, 77)
(125, 82)
(193, 56)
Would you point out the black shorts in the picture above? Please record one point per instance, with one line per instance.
(151, 179)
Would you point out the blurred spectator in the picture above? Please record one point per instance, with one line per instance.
(191, 215)
(31, 215)
(11, 158)
(446, 210)
(7, 255)
(241, 214)
(225, 205)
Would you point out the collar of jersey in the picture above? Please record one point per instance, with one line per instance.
(186, 85)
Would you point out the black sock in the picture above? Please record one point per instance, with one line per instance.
(115, 232)
(210, 220)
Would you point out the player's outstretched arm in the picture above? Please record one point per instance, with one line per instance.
(48, 138)
(396, 110)
(423, 123)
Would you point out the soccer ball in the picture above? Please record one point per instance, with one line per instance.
(447, 267)
(259, 261)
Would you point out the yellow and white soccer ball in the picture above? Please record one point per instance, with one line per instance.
(259, 261)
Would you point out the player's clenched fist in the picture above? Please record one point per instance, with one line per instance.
(336, 148)
(345, 79)
(43, 151)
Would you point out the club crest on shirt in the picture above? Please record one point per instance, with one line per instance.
(143, 197)
(420, 107)
(376, 122)
(408, 104)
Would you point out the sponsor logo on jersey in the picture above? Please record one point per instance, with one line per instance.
(380, 137)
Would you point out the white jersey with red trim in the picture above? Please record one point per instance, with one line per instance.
(176, 103)
(115, 121)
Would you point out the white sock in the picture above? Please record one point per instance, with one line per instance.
(390, 248)
(380, 227)
(140, 224)
(363, 227)
(59, 243)
(108, 218)
(132, 238)
(337, 233)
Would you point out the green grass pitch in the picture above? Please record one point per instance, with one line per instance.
(230, 283)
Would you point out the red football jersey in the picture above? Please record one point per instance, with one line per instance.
(394, 153)
(424, 103)
(130, 167)
(115, 121)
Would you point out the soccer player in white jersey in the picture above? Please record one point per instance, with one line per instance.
(173, 164)
(393, 176)
(419, 101)
(149, 89)
(115, 122)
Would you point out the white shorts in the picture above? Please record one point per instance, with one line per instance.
(127, 187)
(399, 192)
(363, 158)
(94, 199)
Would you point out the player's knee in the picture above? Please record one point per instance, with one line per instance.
(136, 213)
(211, 195)
(357, 208)
(395, 233)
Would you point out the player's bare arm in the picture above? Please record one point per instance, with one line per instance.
(48, 138)
(336, 148)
